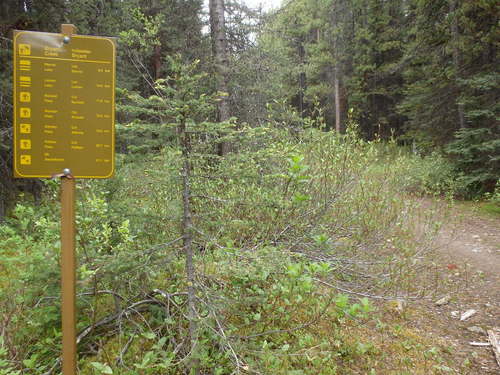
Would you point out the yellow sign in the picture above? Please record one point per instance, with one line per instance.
(64, 98)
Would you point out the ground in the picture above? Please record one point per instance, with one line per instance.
(468, 249)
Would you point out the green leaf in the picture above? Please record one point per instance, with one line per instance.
(149, 335)
(101, 367)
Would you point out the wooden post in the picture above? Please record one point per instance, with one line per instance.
(68, 258)
(68, 278)
(68, 29)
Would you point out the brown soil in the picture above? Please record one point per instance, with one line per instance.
(468, 248)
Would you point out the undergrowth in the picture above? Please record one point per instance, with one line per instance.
(295, 234)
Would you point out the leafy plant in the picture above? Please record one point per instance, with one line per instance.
(476, 158)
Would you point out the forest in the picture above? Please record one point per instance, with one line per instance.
(282, 181)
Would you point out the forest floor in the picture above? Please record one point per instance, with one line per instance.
(468, 253)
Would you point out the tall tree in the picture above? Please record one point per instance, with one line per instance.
(449, 83)
(341, 36)
(221, 63)
(456, 54)
(375, 81)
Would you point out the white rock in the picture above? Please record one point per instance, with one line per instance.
(466, 315)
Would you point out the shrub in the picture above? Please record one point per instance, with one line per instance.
(476, 157)
(279, 225)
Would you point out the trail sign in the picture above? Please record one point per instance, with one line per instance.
(64, 115)
(63, 105)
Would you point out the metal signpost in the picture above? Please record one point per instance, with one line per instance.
(64, 87)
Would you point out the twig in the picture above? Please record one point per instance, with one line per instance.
(119, 360)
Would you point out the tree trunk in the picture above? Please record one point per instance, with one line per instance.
(338, 71)
(456, 57)
(302, 79)
(157, 62)
(220, 54)
(187, 233)
(340, 102)
(2, 208)
(337, 100)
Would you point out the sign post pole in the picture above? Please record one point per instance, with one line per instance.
(68, 258)
(68, 278)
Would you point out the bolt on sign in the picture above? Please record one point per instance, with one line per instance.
(63, 105)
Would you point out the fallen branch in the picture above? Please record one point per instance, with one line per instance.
(475, 343)
(134, 308)
(495, 343)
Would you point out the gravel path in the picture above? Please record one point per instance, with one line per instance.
(469, 252)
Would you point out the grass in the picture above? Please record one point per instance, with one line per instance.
(491, 209)
(486, 208)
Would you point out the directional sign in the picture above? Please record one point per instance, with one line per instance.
(63, 105)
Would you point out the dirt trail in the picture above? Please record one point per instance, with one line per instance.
(469, 253)
(474, 240)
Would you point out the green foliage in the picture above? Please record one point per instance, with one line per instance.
(5, 365)
(101, 368)
(427, 175)
(494, 198)
(412, 68)
(30, 244)
(262, 218)
(177, 99)
(289, 215)
(476, 156)
(145, 38)
(147, 32)
(451, 91)
(492, 204)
